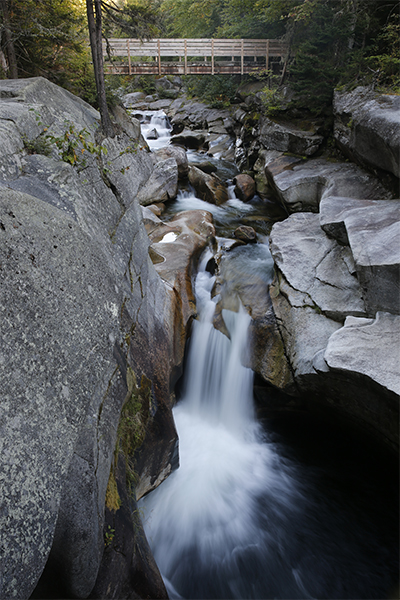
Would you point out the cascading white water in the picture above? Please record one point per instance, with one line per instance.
(202, 523)
(158, 122)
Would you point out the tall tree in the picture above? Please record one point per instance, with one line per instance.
(9, 42)
(42, 37)
(94, 17)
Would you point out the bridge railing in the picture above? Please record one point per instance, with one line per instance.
(184, 55)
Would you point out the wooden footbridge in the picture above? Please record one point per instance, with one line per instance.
(192, 56)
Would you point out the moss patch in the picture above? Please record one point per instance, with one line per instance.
(113, 501)
(132, 425)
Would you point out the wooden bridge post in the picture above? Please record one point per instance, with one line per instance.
(212, 57)
(242, 57)
(267, 57)
(129, 57)
(185, 57)
(159, 56)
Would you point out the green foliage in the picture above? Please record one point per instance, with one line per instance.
(48, 36)
(272, 100)
(216, 90)
(226, 18)
(71, 144)
(146, 83)
(192, 18)
(134, 18)
(109, 534)
(320, 53)
(38, 145)
(384, 60)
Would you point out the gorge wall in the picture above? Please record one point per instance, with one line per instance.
(88, 330)
(95, 313)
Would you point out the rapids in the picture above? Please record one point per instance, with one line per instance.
(289, 507)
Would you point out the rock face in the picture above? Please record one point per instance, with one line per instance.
(86, 321)
(321, 296)
(287, 138)
(372, 230)
(301, 187)
(367, 128)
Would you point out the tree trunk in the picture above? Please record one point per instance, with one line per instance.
(94, 23)
(9, 45)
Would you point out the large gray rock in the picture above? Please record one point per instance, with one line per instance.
(162, 184)
(57, 305)
(370, 349)
(190, 139)
(316, 267)
(372, 229)
(316, 289)
(302, 187)
(83, 313)
(179, 154)
(357, 347)
(367, 127)
(288, 138)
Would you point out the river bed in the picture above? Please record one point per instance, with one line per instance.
(290, 506)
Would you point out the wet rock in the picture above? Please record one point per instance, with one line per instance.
(245, 187)
(220, 146)
(179, 244)
(367, 127)
(208, 187)
(189, 139)
(206, 167)
(152, 134)
(245, 234)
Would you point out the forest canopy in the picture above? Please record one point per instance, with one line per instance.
(333, 42)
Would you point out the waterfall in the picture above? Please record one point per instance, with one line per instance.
(155, 122)
(203, 522)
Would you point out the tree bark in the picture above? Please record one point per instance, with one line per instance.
(9, 45)
(95, 23)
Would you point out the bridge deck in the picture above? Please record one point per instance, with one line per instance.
(191, 56)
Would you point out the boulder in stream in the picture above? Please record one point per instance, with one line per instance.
(162, 184)
(179, 155)
(208, 187)
(245, 187)
(245, 234)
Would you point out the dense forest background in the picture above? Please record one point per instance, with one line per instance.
(333, 42)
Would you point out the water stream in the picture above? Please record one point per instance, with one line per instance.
(291, 507)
